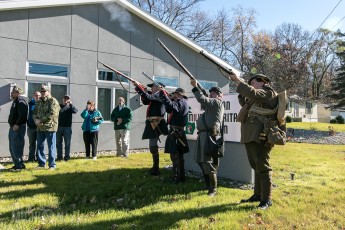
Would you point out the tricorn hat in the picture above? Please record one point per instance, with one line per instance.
(181, 92)
(216, 90)
(263, 78)
(152, 84)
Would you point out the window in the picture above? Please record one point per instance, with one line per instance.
(111, 76)
(105, 103)
(47, 70)
(57, 91)
(308, 107)
(208, 84)
(167, 81)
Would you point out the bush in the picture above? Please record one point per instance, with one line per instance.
(333, 121)
(340, 119)
(288, 119)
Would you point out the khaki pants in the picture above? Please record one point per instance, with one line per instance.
(122, 142)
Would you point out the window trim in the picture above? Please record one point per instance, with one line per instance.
(168, 87)
(46, 75)
(111, 82)
(49, 83)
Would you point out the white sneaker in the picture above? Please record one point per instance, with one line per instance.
(94, 158)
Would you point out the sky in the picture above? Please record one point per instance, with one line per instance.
(309, 14)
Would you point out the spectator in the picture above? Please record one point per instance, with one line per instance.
(32, 128)
(92, 119)
(64, 132)
(17, 121)
(122, 117)
(46, 115)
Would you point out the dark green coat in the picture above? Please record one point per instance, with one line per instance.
(265, 98)
(126, 114)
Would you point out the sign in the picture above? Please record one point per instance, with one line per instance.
(232, 128)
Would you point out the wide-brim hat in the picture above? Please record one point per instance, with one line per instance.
(263, 78)
(181, 92)
(152, 84)
(217, 90)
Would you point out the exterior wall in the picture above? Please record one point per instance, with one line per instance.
(78, 36)
(298, 111)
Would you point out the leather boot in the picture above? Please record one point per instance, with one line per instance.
(155, 169)
(182, 173)
(207, 181)
(175, 179)
(213, 185)
(153, 150)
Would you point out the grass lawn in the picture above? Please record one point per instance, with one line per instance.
(316, 126)
(117, 193)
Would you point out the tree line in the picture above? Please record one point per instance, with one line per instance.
(308, 64)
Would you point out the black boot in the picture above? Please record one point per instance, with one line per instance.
(182, 173)
(175, 179)
(213, 185)
(153, 150)
(155, 169)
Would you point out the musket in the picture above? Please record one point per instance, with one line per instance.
(116, 71)
(154, 82)
(182, 67)
(220, 66)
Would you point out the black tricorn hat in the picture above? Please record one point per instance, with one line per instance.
(216, 90)
(263, 78)
(181, 92)
(152, 84)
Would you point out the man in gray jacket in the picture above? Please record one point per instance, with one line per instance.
(211, 120)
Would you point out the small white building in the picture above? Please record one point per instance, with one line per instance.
(301, 110)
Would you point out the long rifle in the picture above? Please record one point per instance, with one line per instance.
(220, 66)
(154, 82)
(182, 67)
(118, 72)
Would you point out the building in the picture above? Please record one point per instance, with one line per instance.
(301, 110)
(61, 42)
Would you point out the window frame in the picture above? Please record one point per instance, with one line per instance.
(200, 81)
(168, 87)
(27, 72)
(49, 83)
(116, 82)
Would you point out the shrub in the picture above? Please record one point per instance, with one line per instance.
(340, 119)
(333, 121)
(288, 119)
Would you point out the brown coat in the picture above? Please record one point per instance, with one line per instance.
(266, 98)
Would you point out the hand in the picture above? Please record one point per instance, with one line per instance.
(193, 82)
(37, 122)
(233, 77)
(15, 127)
(136, 83)
(119, 121)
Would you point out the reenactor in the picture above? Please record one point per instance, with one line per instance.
(155, 124)
(257, 94)
(176, 143)
(209, 123)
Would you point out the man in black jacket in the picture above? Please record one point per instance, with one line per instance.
(17, 121)
(64, 132)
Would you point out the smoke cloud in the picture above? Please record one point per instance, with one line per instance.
(121, 15)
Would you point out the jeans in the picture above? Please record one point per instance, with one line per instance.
(63, 134)
(51, 141)
(16, 145)
(122, 142)
(32, 135)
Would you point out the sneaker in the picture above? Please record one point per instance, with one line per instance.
(94, 158)
(52, 168)
(265, 204)
(253, 198)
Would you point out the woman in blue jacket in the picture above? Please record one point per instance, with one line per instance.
(92, 119)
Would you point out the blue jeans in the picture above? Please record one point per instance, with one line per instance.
(64, 134)
(16, 145)
(51, 141)
(32, 135)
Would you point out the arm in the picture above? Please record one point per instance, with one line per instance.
(169, 105)
(84, 114)
(201, 98)
(23, 113)
(128, 117)
(100, 118)
(146, 96)
(113, 116)
(258, 95)
(73, 109)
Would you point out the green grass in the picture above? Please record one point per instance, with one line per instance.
(118, 193)
(316, 126)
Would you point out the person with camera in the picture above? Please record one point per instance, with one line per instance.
(92, 119)
(257, 97)
(208, 123)
(64, 132)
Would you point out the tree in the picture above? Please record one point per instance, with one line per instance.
(338, 84)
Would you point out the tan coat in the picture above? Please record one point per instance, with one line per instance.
(265, 98)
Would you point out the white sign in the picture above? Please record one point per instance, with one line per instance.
(232, 128)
